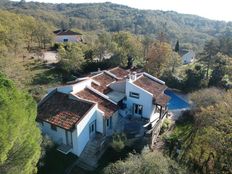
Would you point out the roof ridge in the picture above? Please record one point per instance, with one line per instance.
(113, 68)
(80, 99)
(101, 94)
(154, 78)
(97, 74)
(111, 74)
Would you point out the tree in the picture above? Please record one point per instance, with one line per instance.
(175, 61)
(128, 49)
(194, 78)
(225, 41)
(209, 149)
(177, 47)
(147, 162)
(19, 136)
(103, 45)
(217, 75)
(222, 66)
(71, 58)
(161, 58)
(206, 145)
(29, 28)
(147, 42)
(43, 34)
(211, 48)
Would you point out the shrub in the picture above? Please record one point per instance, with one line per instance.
(186, 117)
(165, 126)
(118, 142)
(147, 162)
(172, 81)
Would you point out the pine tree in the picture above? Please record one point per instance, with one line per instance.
(19, 136)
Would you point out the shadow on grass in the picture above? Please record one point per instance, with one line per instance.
(55, 162)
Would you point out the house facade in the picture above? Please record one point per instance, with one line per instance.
(188, 57)
(67, 36)
(75, 114)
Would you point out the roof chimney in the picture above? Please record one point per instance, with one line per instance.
(132, 76)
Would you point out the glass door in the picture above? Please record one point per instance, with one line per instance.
(138, 109)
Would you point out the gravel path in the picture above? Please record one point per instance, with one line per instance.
(50, 57)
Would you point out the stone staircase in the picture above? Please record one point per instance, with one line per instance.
(92, 152)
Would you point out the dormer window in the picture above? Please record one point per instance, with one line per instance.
(134, 95)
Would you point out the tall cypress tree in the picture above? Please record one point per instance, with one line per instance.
(177, 47)
(19, 136)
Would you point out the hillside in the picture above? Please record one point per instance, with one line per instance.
(191, 30)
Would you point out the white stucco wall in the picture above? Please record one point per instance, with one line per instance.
(57, 136)
(114, 120)
(145, 99)
(80, 86)
(100, 122)
(74, 88)
(188, 57)
(71, 38)
(82, 130)
(118, 86)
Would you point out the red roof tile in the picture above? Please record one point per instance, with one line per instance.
(104, 105)
(104, 80)
(119, 72)
(162, 100)
(66, 32)
(150, 85)
(60, 110)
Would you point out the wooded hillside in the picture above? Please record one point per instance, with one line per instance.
(191, 30)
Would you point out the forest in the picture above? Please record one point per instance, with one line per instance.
(191, 30)
(117, 35)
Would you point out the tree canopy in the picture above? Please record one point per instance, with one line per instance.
(20, 138)
(207, 146)
(147, 162)
(161, 58)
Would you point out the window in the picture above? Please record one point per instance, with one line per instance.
(92, 128)
(65, 40)
(53, 127)
(134, 95)
(109, 122)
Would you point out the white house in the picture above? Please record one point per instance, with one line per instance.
(188, 57)
(67, 36)
(73, 115)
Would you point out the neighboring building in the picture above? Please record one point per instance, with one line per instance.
(188, 56)
(67, 36)
(94, 107)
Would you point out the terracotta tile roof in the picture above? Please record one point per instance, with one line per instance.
(119, 72)
(104, 80)
(66, 32)
(150, 85)
(60, 110)
(162, 100)
(104, 105)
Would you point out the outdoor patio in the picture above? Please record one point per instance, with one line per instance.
(133, 127)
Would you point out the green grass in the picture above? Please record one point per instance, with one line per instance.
(30, 74)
